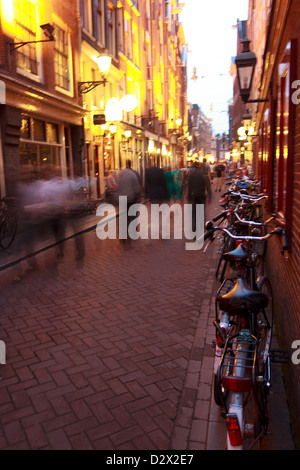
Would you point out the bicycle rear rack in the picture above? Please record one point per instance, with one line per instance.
(237, 365)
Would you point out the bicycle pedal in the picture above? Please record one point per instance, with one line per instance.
(279, 355)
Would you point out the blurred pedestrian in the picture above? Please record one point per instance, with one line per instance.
(177, 176)
(130, 187)
(155, 185)
(111, 187)
(204, 166)
(219, 176)
(199, 190)
(170, 184)
(212, 171)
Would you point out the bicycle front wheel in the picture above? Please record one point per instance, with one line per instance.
(8, 229)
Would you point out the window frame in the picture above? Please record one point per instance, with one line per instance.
(25, 31)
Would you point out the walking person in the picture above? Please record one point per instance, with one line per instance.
(219, 176)
(130, 187)
(199, 190)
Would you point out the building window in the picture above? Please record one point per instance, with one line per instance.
(135, 44)
(282, 130)
(25, 31)
(87, 17)
(128, 37)
(61, 59)
(100, 31)
(111, 25)
(121, 30)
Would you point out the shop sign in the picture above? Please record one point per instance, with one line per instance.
(99, 119)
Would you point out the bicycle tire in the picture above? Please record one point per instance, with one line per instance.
(265, 321)
(217, 391)
(8, 229)
(252, 423)
(224, 249)
(230, 247)
(244, 404)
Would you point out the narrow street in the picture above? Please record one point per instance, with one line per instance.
(115, 354)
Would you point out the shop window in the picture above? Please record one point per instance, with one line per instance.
(68, 151)
(264, 154)
(39, 130)
(40, 148)
(25, 128)
(52, 133)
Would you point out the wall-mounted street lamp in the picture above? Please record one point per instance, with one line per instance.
(112, 128)
(245, 63)
(103, 62)
(247, 119)
(177, 130)
(48, 31)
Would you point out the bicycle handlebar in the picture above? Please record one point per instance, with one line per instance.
(255, 198)
(221, 215)
(210, 229)
(233, 211)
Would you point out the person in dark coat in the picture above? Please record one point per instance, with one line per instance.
(198, 190)
(155, 185)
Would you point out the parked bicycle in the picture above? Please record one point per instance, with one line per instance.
(8, 222)
(244, 322)
(242, 214)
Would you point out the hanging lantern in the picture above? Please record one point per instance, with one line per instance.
(245, 64)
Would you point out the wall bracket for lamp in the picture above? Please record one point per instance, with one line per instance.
(48, 31)
(85, 87)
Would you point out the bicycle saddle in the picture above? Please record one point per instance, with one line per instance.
(239, 254)
(241, 299)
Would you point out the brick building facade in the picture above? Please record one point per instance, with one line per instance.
(47, 118)
(41, 119)
(277, 162)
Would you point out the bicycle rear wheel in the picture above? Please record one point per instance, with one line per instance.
(264, 326)
(252, 423)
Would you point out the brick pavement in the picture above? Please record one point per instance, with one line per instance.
(114, 354)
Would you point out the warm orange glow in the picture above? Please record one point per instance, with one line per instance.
(7, 17)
